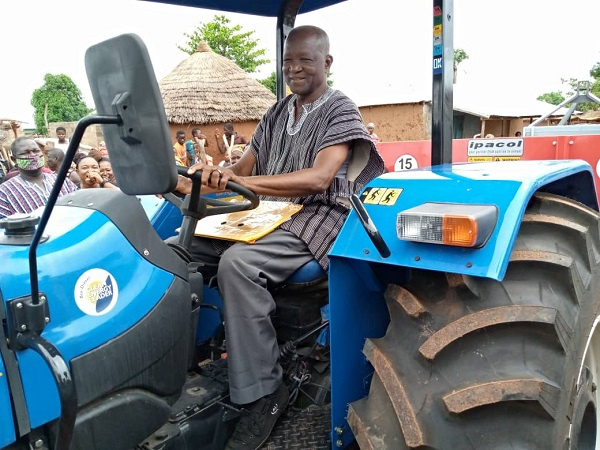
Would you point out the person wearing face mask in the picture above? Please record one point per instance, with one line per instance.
(31, 188)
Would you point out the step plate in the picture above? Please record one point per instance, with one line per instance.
(302, 429)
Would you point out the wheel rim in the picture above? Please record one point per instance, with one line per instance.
(585, 420)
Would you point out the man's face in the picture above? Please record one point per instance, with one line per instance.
(304, 66)
(181, 138)
(61, 135)
(227, 131)
(27, 149)
(54, 161)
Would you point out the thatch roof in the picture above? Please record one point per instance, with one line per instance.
(209, 88)
(589, 116)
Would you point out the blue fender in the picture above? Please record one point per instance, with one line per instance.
(7, 431)
(358, 274)
(83, 244)
(508, 185)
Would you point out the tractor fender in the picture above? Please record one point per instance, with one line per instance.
(508, 185)
(7, 431)
(91, 249)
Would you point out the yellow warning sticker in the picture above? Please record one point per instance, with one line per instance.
(507, 158)
(372, 197)
(381, 196)
(390, 196)
(480, 158)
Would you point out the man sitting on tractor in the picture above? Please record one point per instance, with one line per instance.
(310, 148)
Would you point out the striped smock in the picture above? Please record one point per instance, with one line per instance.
(282, 146)
(20, 196)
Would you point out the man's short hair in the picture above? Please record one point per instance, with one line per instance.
(196, 130)
(56, 154)
(61, 129)
(180, 132)
(228, 126)
(13, 146)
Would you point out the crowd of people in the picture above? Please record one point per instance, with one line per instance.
(35, 162)
(229, 147)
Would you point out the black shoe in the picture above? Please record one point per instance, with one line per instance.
(254, 427)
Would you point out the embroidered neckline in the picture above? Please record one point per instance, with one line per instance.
(292, 126)
(45, 191)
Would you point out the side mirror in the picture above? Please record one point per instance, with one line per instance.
(123, 84)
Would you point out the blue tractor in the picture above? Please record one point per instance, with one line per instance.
(463, 299)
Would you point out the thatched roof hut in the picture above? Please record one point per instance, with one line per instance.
(207, 88)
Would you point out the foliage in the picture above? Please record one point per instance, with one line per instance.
(554, 98)
(459, 56)
(570, 87)
(271, 82)
(228, 41)
(58, 100)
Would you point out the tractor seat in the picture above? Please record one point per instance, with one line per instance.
(309, 274)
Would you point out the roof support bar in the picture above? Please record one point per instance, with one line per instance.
(285, 22)
(443, 75)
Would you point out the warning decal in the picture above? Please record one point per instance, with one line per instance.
(381, 196)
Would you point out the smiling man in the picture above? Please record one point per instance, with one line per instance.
(31, 188)
(310, 148)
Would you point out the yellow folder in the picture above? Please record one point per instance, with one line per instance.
(247, 226)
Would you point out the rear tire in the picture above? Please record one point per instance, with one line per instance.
(473, 363)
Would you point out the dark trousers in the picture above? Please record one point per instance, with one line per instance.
(246, 272)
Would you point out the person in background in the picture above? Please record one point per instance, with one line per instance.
(236, 155)
(301, 152)
(89, 173)
(201, 142)
(55, 158)
(31, 188)
(228, 140)
(489, 136)
(179, 149)
(62, 142)
(96, 154)
(371, 130)
(106, 171)
(102, 148)
(518, 134)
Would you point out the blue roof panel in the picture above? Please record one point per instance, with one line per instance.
(268, 8)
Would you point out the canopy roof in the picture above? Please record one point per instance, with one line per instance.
(209, 88)
(268, 8)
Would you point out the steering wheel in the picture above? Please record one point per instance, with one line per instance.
(218, 206)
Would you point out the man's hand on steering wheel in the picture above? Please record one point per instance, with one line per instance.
(215, 177)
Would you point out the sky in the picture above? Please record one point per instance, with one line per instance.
(382, 49)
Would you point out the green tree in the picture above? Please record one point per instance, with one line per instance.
(554, 98)
(270, 82)
(459, 56)
(228, 41)
(58, 100)
(570, 87)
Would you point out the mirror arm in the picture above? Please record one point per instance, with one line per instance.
(60, 178)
